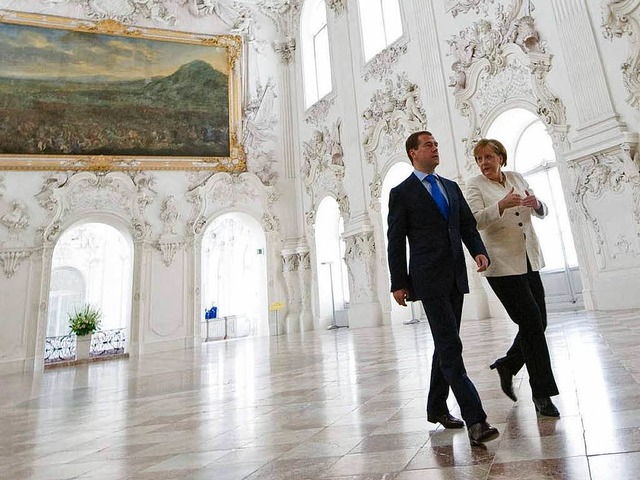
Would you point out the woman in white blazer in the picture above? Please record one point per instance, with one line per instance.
(503, 204)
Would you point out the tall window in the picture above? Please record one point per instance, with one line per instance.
(91, 263)
(316, 60)
(381, 25)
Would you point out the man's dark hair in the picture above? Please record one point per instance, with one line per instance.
(412, 141)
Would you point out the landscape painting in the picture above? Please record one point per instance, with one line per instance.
(79, 95)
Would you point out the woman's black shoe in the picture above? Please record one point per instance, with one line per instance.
(506, 380)
(544, 406)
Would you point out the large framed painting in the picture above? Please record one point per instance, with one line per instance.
(81, 95)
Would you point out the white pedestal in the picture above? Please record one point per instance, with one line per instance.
(83, 345)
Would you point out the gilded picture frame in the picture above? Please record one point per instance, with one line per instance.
(83, 95)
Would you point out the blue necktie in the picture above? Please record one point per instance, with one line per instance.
(438, 196)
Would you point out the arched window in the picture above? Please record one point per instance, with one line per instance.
(381, 25)
(316, 61)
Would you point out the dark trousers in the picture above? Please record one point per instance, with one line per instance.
(447, 368)
(523, 298)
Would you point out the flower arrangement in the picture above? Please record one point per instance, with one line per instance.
(85, 321)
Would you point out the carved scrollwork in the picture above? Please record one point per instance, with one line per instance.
(338, 6)
(128, 11)
(168, 250)
(621, 18)
(223, 191)
(382, 64)
(88, 192)
(323, 153)
(318, 112)
(286, 49)
(597, 174)
(457, 7)
(11, 259)
(360, 250)
(393, 113)
(259, 122)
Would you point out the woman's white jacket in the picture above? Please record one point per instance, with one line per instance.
(509, 237)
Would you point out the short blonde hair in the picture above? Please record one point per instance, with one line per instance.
(494, 145)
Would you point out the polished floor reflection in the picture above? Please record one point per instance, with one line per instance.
(328, 405)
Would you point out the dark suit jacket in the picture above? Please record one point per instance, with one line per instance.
(437, 260)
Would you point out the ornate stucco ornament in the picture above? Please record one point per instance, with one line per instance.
(621, 18)
(393, 113)
(382, 64)
(463, 6)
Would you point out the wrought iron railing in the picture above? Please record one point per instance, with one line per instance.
(103, 343)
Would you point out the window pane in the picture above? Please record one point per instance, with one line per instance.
(392, 20)
(563, 217)
(372, 26)
(535, 147)
(310, 85)
(323, 62)
(547, 229)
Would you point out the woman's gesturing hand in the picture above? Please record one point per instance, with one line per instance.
(510, 200)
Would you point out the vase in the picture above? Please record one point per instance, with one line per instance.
(83, 346)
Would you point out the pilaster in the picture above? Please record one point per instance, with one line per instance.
(360, 257)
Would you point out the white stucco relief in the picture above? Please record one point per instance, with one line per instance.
(360, 251)
(456, 7)
(15, 219)
(259, 136)
(393, 113)
(500, 62)
(337, 6)
(621, 18)
(126, 196)
(381, 66)
(611, 171)
(318, 112)
(169, 242)
(323, 169)
(224, 192)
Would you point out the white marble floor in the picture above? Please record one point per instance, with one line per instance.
(345, 404)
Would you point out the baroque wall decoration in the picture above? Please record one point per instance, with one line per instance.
(338, 6)
(11, 259)
(323, 152)
(393, 112)
(259, 121)
(169, 242)
(222, 191)
(360, 251)
(622, 18)
(129, 11)
(323, 169)
(455, 7)
(318, 112)
(501, 62)
(595, 175)
(86, 193)
(381, 66)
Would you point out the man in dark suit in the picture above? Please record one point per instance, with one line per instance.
(432, 214)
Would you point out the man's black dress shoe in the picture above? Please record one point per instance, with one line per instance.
(482, 432)
(544, 406)
(506, 380)
(446, 420)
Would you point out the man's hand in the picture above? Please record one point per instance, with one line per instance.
(401, 296)
(482, 262)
